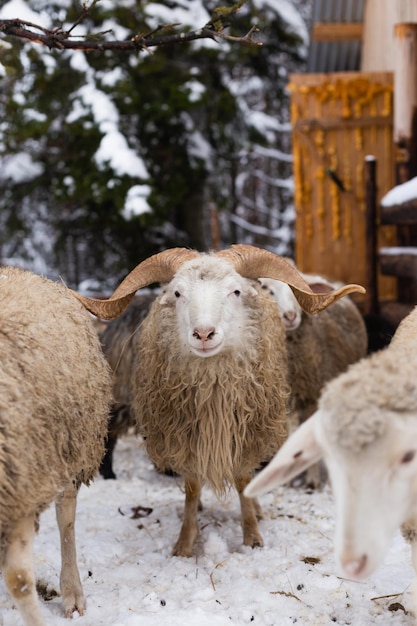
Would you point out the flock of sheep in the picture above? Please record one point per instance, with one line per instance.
(221, 368)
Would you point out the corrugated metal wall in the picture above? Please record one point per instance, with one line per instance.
(336, 56)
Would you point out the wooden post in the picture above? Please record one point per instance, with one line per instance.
(371, 304)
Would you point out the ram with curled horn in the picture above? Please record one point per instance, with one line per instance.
(209, 381)
(249, 261)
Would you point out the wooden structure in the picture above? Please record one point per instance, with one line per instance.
(354, 139)
(338, 119)
(400, 261)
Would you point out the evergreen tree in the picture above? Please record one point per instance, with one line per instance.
(108, 157)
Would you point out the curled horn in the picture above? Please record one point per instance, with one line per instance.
(253, 262)
(159, 268)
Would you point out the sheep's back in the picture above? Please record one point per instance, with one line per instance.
(55, 390)
(215, 417)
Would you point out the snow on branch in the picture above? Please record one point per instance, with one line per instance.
(58, 38)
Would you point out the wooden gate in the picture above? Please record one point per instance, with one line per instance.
(338, 119)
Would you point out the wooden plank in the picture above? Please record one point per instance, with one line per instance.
(405, 213)
(333, 123)
(399, 263)
(337, 31)
(394, 312)
(317, 79)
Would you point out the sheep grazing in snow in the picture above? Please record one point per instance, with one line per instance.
(365, 429)
(118, 343)
(210, 376)
(55, 391)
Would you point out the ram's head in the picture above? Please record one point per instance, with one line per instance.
(247, 261)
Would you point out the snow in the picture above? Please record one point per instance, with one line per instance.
(289, 13)
(131, 579)
(401, 193)
(113, 148)
(136, 202)
(185, 12)
(20, 167)
(19, 9)
(115, 151)
(196, 89)
(396, 251)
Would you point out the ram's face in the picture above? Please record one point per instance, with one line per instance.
(209, 298)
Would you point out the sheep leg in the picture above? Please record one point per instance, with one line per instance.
(250, 512)
(71, 589)
(189, 529)
(18, 571)
(106, 466)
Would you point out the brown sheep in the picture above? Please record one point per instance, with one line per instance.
(118, 341)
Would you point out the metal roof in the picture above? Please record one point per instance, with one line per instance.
(341, 55)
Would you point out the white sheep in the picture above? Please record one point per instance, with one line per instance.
(55, 391)
(365, 429)
(210, 376)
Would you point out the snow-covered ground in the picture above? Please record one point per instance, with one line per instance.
(131, 579)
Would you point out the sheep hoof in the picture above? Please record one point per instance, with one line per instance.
(185, 543)
(72, 598)
(69, 613)
(181, 549)
(254, 541)
(72, 605)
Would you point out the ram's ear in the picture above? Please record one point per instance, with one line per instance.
(297, 454)
(320, 286)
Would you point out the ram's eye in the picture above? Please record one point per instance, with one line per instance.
(177, 294)
(237, 292)
(408, 456)
(264, 287)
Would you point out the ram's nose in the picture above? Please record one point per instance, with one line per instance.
(204, 334)
(290, 316)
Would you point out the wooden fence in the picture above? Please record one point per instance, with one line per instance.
(338, 119)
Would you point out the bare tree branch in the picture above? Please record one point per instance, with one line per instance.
(60, 39)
